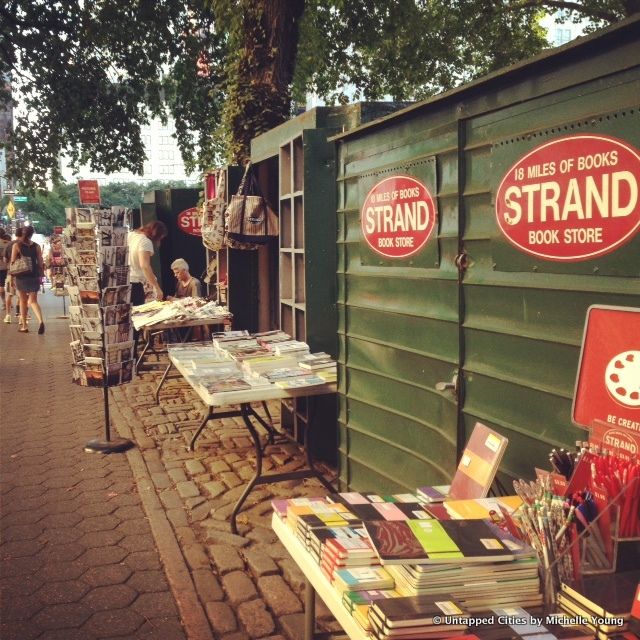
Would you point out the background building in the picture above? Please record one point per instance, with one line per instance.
(163, 160)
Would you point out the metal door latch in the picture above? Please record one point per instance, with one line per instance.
(449, 386)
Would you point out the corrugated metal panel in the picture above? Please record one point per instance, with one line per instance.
(512, 324)
(524, 317)
(398, 323)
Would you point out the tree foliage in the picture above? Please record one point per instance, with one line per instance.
(90, 74)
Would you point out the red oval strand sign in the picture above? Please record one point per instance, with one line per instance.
(189, 221)
(571, 199)
(397, 217)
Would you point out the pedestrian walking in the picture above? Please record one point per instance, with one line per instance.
(10, 285)
(28, 284)
(5, 241)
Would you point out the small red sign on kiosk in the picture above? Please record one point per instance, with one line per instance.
(608, 380)
(397, 217)
(189, 221)
(89, 191)
(571, 199)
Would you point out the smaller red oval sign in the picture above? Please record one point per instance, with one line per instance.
(189, 221)
(397, 217)
(571, 199)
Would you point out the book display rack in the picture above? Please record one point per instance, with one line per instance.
(97, 281)
(307, 312)
(56, 266)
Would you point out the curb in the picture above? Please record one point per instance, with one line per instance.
(192, 614)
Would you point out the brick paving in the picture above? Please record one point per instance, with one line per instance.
(77, 557)
(248, 584)
(135, 545)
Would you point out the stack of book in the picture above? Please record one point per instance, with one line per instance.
(358, 603)
(321, 364)
(477, 562)
(271, 338)
(373, 507)
(476, 586)
(605, 601)
(362, 579)
(290, 347)
(481, 508)
(347, 547)
(416, 617)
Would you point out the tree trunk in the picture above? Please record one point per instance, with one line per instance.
(259, 97)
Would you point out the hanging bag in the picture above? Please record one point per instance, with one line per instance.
(213, 214)
(249, 220)
(21, 266)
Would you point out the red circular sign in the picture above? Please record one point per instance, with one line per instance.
(397, 217)
(571, 199)
(190, 221)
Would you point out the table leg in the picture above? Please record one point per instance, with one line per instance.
(309, 610)
(206, 419)
(144, 350)
(245, 409)
(164, 377)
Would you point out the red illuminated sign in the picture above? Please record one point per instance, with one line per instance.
(571, 199)
(89, 191)
(189, 221)
(608, 382)
(397, 217)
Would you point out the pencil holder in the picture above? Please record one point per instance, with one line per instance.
(598, 544)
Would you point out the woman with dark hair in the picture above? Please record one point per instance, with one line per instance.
(28, 284)
(141, 247)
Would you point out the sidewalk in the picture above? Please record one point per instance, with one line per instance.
(85, 537)
(77, 556)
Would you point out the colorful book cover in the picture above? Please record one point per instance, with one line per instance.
(479, 463)
(394, 542)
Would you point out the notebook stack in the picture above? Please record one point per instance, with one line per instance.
(477, 562)
(362, 579)
(350, 547)
(605, 601)
(477, 586)
(369, 506)
(303, 518)
(270, 338)
(481, 508)
(291, 347)
(416, 617)
(358, 604)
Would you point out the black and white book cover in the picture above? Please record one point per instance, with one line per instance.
(88, 284)
(91, 324)
(76, 332)
(83, 215)
(91, 310)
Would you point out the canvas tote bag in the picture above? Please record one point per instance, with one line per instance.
(249, 220)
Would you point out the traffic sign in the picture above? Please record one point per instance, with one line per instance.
(20, 198)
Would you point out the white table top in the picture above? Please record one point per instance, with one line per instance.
(177, 324)
(259, 394)
(330, 596)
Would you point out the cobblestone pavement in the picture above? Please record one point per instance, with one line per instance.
(248, 584)
(77, 557)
